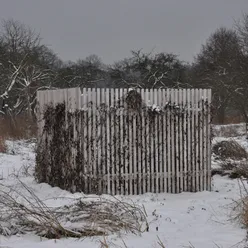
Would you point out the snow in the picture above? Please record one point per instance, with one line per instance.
(202, 219)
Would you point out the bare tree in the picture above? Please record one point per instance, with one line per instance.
(25, 67)
(24, 81)
(242, 30)
(217, 66)
(19, 38)
(148, 70)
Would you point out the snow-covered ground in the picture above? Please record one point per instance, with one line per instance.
(201, 220)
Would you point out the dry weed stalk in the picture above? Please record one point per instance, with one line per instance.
(240, 209)
(160, 243)
(25, 212)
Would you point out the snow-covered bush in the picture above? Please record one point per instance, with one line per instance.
(229, 149)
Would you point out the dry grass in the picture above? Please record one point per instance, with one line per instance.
(240, 209)
(229, 150)
(240, 170)
(3, 146)
(160, 243)
(21, 211)
(21, 127)
(227, 165)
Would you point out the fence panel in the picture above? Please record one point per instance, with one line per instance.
(122, 141)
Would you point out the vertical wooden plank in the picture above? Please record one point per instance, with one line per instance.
(78, 139)
(143, 146)
(200, 143)
(151, 124)
(156, 143)
(126, 144)
(74, 146)
(134, 151)
(189, 143)
(112, 140)
(176, 130)
(117, 140)
(103, 140)
(90, 131)
(122, 143)
(197, 139)
(99, 153)
(193, 158)
(173, 150)
(139, 146)
(108, 140)
(148, 147)
(209, 140)
(164, 152)
(94, 148)
(160, 141)
(130, 157)
(180, 128)
(39, 115)
(169, 140)
(84, 139)
(70, 138)
(75, 123)
(185, 148)
(204, 140)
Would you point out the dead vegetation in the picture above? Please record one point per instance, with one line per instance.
(3, 146)
(240, 170)
(232, 169)
(228, 131)
(229, 150)
(21, 211)
(16, 128)
(240, 209)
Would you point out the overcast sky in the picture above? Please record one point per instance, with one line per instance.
(112, 28)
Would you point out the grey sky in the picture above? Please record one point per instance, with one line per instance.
(111, 28)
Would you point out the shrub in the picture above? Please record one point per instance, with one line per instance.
(229, 150)
(240, 171)
(228, 165)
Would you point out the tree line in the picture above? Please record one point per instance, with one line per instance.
(27, 65)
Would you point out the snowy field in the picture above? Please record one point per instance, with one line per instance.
(200, 220)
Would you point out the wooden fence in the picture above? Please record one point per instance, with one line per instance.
(124, 141)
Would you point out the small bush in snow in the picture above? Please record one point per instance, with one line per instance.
(229, 150)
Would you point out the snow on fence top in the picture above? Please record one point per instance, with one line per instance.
(125, 141)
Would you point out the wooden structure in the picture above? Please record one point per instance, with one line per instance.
(125, 141)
